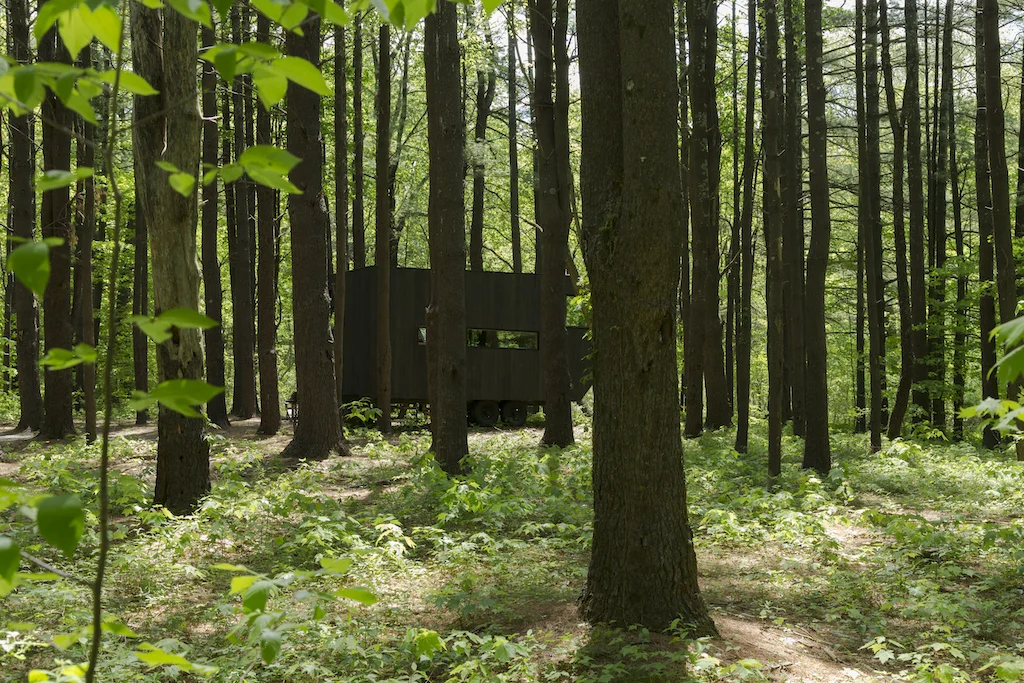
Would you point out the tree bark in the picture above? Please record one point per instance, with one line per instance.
(243, 396)
(872, 193)
(55, 218)
(486, 83)
(547, 30)
(793, 227)
(863, 207)
(140, 306)
(896, 123)
(771, 106)
(340, 205)
(318, 431)
(382, 258)
(213, 293)
(266, 282)
(746, 239)
(446, 315)
(513, 145)
(631, 205)
(86, 320)
(986, 253)
(164, 52)
(358, 220)
(918, 298)
(817, 448)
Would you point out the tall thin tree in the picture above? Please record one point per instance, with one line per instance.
(382, 259)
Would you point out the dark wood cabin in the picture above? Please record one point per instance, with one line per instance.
(503, 362)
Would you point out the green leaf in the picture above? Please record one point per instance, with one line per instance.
(301, 72)
(131, 82)
(270, 645)
(230, 567)
(293, 16)
(79, 104)
(186, 318)
(427, 643)
(61, 521)
(157, 330)
(358, 594)
(197, 10)
(179, 395)
(491, 5)
(222, 7)
(74, 30)
(112, 624)
(30, 263)
(240, 584)
(1011, 366)
(49, 12)
(338, 565)
(271, 86)
(183, 183)
(10, 558)
(273, 180)
(53, 180)
(28, 86)
(105, 23)
(268, 157)
(62, 359)
(255, 597)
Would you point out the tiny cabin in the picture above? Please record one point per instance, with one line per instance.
(503, 354)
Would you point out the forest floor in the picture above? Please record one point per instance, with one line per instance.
(902, 565)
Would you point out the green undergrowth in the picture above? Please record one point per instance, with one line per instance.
(906, 563)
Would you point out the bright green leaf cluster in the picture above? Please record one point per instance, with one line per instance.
(158, 328)
(270, 70)
(179, 395)
(62, 359)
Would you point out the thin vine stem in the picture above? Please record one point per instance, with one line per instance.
(104, 494)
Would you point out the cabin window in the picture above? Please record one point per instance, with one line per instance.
(502, 339)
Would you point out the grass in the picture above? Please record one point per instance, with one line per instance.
(901, 565)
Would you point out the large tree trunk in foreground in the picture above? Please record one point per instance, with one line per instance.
(872, 195)
(55, 218)
(164, 52)
(554, 223)
(446, 315)
(213, 293)
(266, 281)
(817, 450)
(631, 204)
(318, 431)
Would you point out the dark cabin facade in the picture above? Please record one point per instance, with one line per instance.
(503, 355)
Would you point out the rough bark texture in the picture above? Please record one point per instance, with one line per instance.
(896, 123)
(513, 146)
(266, 282)
(631, 205)
(446, 315)
(872, 194)
(817, 450)
(340, 203)
(554, 224)
(243, 342)
(140, 306)
(486, 84)
(793, 227)
(863, 208)
(746, 239)
(318, 431)
(986, 253)
(213, 293)
(918, 297)
(358, 186)
(960, 319)
(771, 105)
(705, 155)
(382, 258)
(164, 52)
(55, 218)
(86, 157)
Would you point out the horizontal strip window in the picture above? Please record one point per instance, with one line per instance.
(493, 339)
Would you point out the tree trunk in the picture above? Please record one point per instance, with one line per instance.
(691, 354)
(872, 193)
(243, 396)
(793, 226)
(937, 293)
(340, 205)
(86, 321)
(863, 207)
(631, 205)
(164, 52)
(960, 312)
(140, 306)
(486, 82)
(733, 264)
(771, 96)
(446, 315)
(213, 293)
(382, 257)
(918, 302)
(747, 242)
(266, 283)
(55, 219)
(358, 224)
(23, 220)
(896, 123)
(547, 29)
(817, 449)
(318, 431)
(986, 254)
(513, 145)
